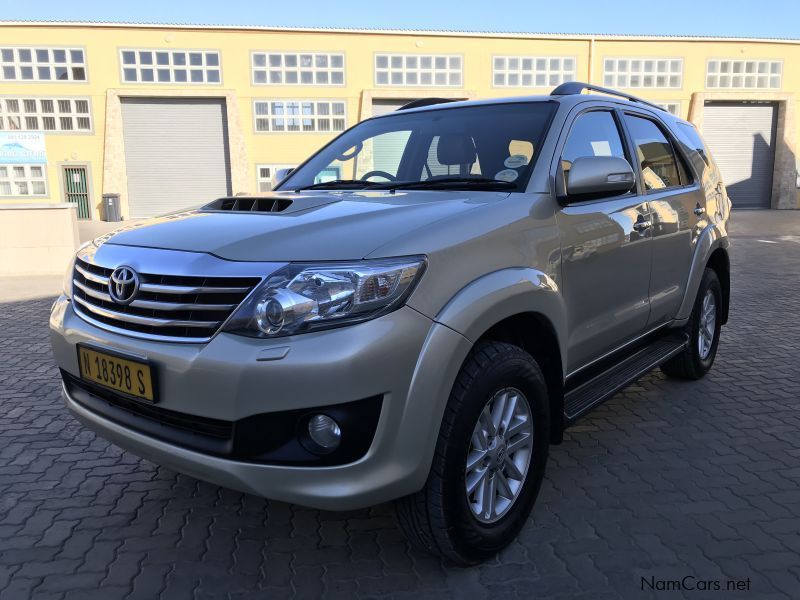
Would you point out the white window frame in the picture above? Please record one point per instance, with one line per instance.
(667, 104)
(57, 115)
(315, 118)
(7, 175)
(513, 65)
(417, 71)
(273, 168)
(643, 72)
(172, 67)
(768, 74)
(17, 64)
(298, 70)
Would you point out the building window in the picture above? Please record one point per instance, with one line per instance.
(265, 173)
(532, 71)
(672, 107)
(45, 114)
(744, 74)
(321, 116)
(643, 72)
(170, 66)
(23, 180)
(418, 70)
(42, 64)
(291, 68)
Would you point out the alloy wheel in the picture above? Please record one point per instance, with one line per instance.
(499, 455)
(708, 325)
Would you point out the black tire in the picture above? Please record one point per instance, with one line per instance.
(689, 364)
(438, 518)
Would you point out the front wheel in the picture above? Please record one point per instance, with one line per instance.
(490, 458)
(703, 329)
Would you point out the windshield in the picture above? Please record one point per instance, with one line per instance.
(475, 147)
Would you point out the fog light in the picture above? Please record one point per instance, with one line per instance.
(324, 432)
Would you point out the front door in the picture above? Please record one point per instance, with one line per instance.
(76, 189)
(606, 250)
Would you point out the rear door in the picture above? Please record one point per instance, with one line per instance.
(606, 256)
(676, 202)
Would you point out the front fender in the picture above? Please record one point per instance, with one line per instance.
(712, 237)
(491, 298)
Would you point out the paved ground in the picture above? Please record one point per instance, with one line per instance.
(664, 481)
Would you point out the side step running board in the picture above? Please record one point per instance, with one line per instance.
(582, 399)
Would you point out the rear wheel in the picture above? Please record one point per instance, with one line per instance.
(703, 329)
(489, 461)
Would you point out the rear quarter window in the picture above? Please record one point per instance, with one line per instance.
(699, 155)
(689, 135)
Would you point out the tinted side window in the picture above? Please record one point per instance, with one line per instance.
(655, 154)
(593, 134)
(692, 138)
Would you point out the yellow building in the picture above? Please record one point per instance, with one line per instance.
(173, 116)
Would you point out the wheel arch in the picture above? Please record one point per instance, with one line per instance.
(535, 334)
(711, 250)
(521, 306)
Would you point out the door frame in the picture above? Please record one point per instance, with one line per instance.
(785, 170)
(115, 174)
(94, 212)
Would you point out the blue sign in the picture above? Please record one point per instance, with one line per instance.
(22, 147)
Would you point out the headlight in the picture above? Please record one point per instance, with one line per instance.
(303, 297)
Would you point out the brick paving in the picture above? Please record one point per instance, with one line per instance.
(666, 480)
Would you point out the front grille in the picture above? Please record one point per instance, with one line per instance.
(166, 306)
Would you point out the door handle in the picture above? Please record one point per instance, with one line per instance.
(642, 225)
(699, 210)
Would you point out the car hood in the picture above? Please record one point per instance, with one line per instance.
(314, 226)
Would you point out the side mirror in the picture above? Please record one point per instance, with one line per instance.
(280, 175)
(598, 176)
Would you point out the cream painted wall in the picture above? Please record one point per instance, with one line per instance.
(102, 46)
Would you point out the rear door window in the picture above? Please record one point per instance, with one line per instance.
(657, 160)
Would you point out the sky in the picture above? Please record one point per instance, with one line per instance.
(745, 18)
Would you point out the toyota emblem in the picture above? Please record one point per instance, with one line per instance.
(123, 285)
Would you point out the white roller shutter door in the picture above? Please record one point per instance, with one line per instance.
(176, 153)
(741, 137)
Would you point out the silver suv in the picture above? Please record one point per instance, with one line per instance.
(416, 313)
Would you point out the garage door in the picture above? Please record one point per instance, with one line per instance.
(741, 136)
(387, 149)
(176, 153)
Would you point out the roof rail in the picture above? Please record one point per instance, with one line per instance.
(425, 102)
(576, 87)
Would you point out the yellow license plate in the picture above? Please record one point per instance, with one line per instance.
(116, 373)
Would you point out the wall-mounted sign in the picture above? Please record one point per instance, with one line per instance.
(22, 147)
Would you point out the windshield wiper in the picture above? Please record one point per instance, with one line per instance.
(451, 182)
(339, 184)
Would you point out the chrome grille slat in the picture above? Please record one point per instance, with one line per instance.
(188, 307)
(91, 276)
(183, 289)
(128, 318)
(149, 304)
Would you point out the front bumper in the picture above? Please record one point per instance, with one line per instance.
(403, 356)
